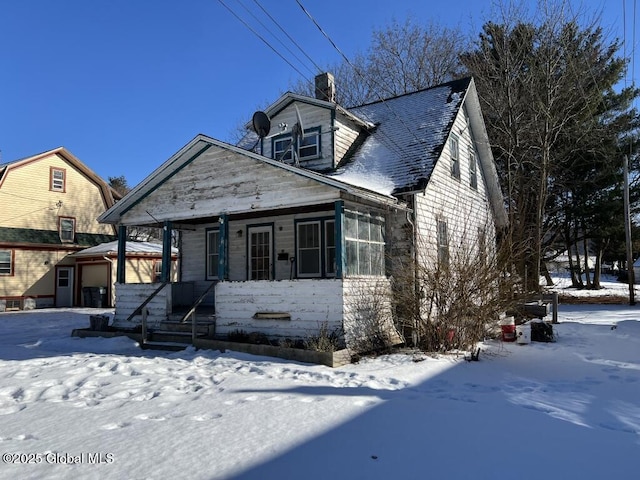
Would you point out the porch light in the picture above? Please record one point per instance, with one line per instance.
(239, 233)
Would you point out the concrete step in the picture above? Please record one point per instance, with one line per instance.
(169, 346)
(203, 327)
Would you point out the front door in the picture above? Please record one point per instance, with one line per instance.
(260, 253)
(64, 286)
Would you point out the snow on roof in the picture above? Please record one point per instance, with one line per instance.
(132, 247)
(410, 133)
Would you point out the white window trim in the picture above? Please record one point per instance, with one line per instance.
(58, 184)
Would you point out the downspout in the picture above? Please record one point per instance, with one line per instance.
(416, 277)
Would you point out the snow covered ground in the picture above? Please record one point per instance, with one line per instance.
(102, 408)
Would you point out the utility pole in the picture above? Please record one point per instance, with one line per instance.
(627, 229)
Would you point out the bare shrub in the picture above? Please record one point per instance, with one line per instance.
(451, 302)
(325, 340)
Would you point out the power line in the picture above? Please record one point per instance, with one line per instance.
(361, 75)
(25, 198)
(288, 36)
(273, 35)
(26, 214)
(261, 38)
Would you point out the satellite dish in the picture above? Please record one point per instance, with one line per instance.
(261, 124)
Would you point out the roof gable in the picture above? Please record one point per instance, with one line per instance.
(196, 175)
(411, 131)
(109, 195)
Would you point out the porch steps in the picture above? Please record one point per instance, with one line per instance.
(204, 328)
(170, 346)
(174, 335)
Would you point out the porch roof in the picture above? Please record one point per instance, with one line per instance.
(201, 144)
(133, 248)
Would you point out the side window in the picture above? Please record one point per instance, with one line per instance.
(57, 179)
(454, 151)
(67, 229)
(443, 244)
(473, 171)
(157, 271)
(365, 244)
(281, 148)
(6, 262)
(310, 144)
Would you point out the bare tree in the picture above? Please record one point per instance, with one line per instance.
(402, 58)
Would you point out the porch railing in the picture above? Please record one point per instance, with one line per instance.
(192, 312)
(138, 310)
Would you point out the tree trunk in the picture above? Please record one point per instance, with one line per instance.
(587, 270)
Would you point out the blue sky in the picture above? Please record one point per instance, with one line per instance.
(124, 84)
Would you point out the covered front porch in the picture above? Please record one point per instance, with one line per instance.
(287, 274)
(264, 246)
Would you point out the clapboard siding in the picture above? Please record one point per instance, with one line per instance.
(345, 135)
(220, 181)
(311, 304)
(194, 247)
(28, 202)
(464, 208)
(312, 117)
(130, 296)
(368, 311)
(39, 265)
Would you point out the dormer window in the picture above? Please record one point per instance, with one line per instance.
(309, 147)
(282, 147)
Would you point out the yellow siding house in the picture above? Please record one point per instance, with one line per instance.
(48, 208)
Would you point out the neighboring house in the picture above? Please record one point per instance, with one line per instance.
(143, 265)
(49, 204)
(293, 242)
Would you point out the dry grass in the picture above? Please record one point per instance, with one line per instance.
(593, 300)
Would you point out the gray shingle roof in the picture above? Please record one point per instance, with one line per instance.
(411, 131)
(49, 237)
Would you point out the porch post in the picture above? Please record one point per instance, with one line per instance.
(339, 223)
(122, 254)
(165, 275)
(223, 242)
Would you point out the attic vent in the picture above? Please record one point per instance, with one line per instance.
(326, 87)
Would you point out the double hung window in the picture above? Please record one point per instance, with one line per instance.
(316, 248)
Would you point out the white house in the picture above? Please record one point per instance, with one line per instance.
(286, 230)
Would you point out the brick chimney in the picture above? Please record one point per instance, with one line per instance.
(326, 87)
